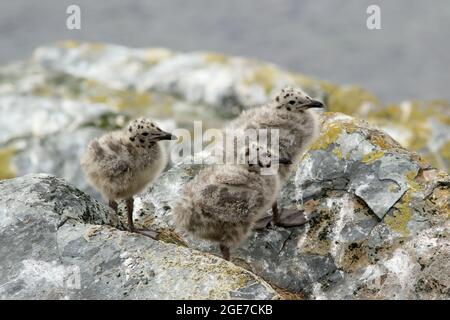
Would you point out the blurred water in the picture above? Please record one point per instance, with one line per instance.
(408, 58)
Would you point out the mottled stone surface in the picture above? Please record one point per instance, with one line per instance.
(377, 219)
(24, 117)
(55, 245)
(377, 213)
(209, 86)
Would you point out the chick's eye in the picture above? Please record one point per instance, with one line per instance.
(145, 134)
(292, 102)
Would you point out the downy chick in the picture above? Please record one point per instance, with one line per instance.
(292, 112)
(122, 163)
(222, 202)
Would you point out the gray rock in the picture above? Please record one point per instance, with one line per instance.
(58, 154)
(56, 245)
(367, 212)
(24, 117)
(353, 163)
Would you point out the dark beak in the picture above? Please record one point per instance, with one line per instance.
(315, 104)
(165, 136)
(284, 161)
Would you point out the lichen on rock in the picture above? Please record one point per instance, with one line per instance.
(377, 214)
(364, 218)
(57, 243)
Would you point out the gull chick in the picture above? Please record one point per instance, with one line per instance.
(293, 113)
(122, 163)
(223, 202)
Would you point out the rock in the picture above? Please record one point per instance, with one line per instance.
(25, 117)
(56, 245)
(62, 79)
(377, 213)
(357, 159)
(58, 154)
(375, 224)
(130, 78)
(49, 135)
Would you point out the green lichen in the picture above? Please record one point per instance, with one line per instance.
(6, 169)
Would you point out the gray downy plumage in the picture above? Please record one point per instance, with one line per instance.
(122, 163)
(294, 114)
(223, 202)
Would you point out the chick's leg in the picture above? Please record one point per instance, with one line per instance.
(149, 233)
(113, 205)
(225, 252)
(287, 217)
(262, 223)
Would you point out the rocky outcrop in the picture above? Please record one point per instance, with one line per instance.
(212, 87)
(377, 225)
(56, 244)
(378, 221)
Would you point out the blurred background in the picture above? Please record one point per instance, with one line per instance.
(408, 59)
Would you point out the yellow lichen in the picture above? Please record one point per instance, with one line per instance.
(170, 236)
(216, 58)
(96, 46)
(350, 127)
(156, 55)
(393, 187)
(209, 266)
(410, 177)
(6, 169)
(338, 153)
(69, 44)
(402, 215)
(264, 75)
(445, 151)
(91, 232)
(420, 138)
(127, 100)
(331, 134)
(347, 100)
(392, 112)
(381, 142)
(372, 156)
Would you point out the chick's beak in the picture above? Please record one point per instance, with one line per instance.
(284, 161)
(165, 136)
(315, 104)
